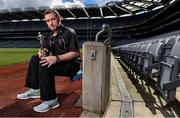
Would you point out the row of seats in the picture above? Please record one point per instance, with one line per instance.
(162, 55)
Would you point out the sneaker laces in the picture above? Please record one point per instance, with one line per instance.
(49, 102)
(30, 91)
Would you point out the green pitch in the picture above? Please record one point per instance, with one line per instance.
(9, 56)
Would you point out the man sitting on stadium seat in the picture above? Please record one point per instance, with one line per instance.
(63, 51)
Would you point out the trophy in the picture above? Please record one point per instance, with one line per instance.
(40, 37)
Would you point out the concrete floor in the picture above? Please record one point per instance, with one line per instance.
(145, 102)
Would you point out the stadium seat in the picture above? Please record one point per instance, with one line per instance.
(168, 79)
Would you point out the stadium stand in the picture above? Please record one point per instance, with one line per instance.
(86, 28)
(128, 19)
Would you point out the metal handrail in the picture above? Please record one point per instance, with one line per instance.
(105, 28)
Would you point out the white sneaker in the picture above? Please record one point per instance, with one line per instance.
(31, 93)
(47, 105)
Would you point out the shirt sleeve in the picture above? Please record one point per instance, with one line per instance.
(72, 41)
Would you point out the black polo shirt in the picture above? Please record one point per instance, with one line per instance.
(65, 41)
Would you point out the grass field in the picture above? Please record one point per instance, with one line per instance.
(9, 56)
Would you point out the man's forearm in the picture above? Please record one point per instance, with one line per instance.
(68, 56)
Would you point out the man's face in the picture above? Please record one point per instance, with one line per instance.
(52, 21)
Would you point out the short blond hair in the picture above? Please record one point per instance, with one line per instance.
(48, 11)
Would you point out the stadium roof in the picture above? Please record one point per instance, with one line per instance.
(111, 9)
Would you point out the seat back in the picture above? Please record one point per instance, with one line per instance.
(175, 51)
(168, 44)
(155, 49)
